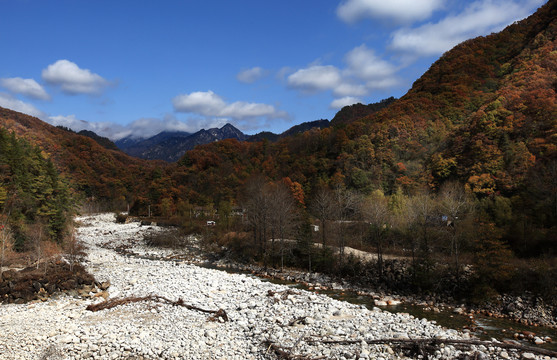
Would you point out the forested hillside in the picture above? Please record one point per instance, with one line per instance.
(484, 115)
(96, 174)
(32, 195)
(49, 174)
(462, 169)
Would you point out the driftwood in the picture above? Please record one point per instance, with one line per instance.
(413, 347)
(282, 353)
(423, 345)
(109, 304)
(298, 321)
(283, 294)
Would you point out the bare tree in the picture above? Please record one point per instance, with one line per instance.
(424, 214)
(375, 212)
(5, 242)
(5, 232)
(414, 217)
(283, 214)
(72, 247)
(257, 203)
(456, 206)
(36, 234)
(322, 207)
(345, 206)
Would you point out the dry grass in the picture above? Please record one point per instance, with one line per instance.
(172, 239)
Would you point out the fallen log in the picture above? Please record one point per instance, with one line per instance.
(423, 343)
(111, 303)
(282, 353)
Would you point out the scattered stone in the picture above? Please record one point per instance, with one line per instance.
(459, 311)
(124, 268)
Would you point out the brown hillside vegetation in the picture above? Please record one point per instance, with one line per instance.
(95, 172)
(484, 114)
(461, 170)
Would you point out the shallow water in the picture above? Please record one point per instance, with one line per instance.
(482, 327)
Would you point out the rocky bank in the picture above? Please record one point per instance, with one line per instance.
(265, 320)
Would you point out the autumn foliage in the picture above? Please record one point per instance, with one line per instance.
(484, 115)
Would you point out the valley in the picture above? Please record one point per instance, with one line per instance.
(444, 198)
(264, 319)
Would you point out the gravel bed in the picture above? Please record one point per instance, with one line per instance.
(263, 317)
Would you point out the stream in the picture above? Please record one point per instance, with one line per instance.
(482, 327)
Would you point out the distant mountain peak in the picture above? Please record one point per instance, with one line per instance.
(171, 145)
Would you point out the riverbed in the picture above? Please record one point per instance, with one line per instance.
(264, 320)
(479, 326)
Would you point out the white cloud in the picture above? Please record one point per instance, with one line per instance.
(479, 17)
(27, 87)
(405, 11)
(105, 129)
(147, 127)
(342, 102)
(350, 89)
(209, 104)
(9, 102)
(140, 128)
(242, 110)
(364, 65)
(284, 72)
(250, 76)
(315, 78)
(382, 84)
(72, 79)
(207, 108)
(70, 121)
(364, 73)
(205, 103)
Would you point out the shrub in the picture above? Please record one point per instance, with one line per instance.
(121, 218)
(173, 239)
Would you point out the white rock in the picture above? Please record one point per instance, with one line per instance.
(158, 330)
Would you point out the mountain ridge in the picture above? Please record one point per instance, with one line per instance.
(484, 115)
(107, 177)
(171, 145)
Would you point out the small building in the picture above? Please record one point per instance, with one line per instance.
(203, 211)
(211, 223)
(238, 211)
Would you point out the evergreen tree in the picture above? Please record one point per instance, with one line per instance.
(35, 190)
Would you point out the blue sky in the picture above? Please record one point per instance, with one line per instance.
(136, 68)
